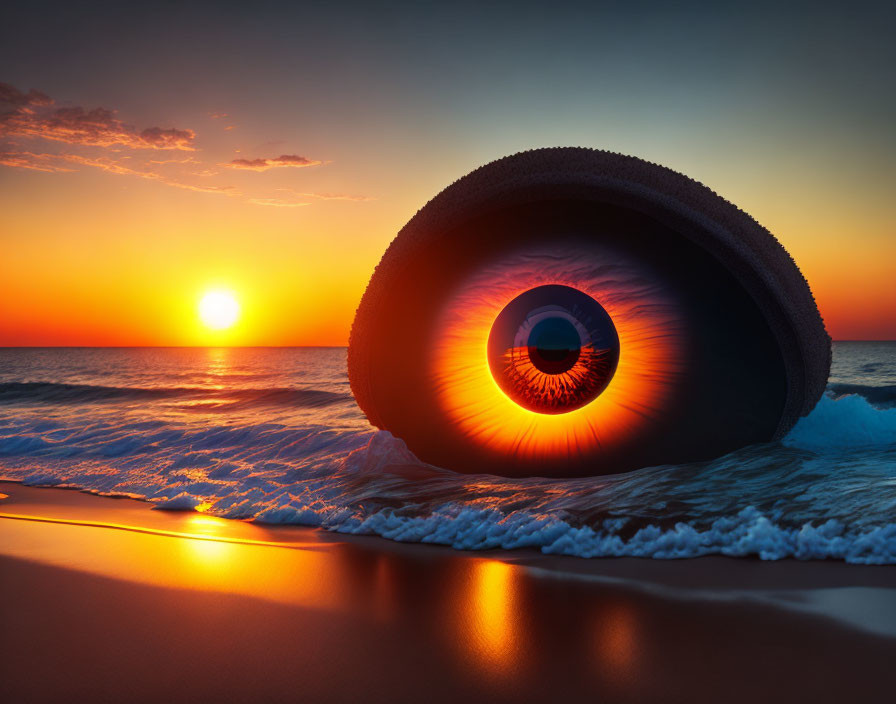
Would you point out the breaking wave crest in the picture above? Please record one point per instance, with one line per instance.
(881, 396)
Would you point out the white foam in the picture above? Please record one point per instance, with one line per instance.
(747, 533)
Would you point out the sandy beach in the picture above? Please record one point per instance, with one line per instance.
(107, 600)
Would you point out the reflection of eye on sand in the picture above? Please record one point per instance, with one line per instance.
(501, 633)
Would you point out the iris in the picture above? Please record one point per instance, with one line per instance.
(553, 349)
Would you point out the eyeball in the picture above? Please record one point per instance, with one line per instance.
(553, 349)
(569, 312)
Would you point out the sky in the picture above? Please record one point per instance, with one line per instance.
(151, 153)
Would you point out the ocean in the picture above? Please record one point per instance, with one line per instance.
(274, 435)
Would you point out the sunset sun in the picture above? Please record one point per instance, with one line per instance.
(219, 310)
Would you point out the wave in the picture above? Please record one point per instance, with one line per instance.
(73, 394)
(882, 396)
(843, 424)
(828, 490)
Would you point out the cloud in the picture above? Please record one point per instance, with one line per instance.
(32, 161)
(277, 203)
(225, 190)
(298, 198)
(335, 196)
(185, 160)
(112, 166)
(284, 160)
(327, 196)
(169, 138)
(124, 166)
(13, 96)
(55, 163)
(32, 116)
(107, 164)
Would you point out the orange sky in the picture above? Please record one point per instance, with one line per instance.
(93, 258)
(282, 172)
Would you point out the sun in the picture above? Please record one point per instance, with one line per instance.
(219, 310)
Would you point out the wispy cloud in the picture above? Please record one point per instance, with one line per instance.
(58, 163)
(186, 160)
(297, 199)
(32, 115)
(32, 161)
(282, 161)
(327, 196)
(116, 167)
(277, 203)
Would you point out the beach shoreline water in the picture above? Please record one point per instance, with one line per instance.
(127, 615)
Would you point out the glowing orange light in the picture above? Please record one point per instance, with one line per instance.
(647, 320)
(492, 617)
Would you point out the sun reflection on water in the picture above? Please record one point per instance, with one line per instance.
(210, 561)
(202, 552)
(210, 553)
(493, 616)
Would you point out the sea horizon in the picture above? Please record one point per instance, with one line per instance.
(333, 347)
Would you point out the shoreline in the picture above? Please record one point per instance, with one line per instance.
(280, 613)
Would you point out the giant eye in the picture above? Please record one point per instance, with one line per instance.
(553, 349)
(572, 312)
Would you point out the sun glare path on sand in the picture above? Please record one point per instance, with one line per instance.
(219, 310)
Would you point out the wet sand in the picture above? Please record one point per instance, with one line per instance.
(193, 608)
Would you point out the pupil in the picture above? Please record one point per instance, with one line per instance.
(554, 345)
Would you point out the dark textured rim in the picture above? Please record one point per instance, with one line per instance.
(749, 251)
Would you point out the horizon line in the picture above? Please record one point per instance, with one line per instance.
(169, 347)
(203, 347)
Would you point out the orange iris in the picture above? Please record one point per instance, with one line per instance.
(557, 390)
